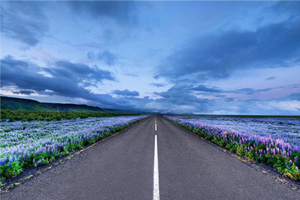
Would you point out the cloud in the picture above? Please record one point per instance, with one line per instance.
(203, 88)
(290, 8)
(64, 81)
(78, 72)
(23, 21)
(217, 55)
(108, 57)
(121, 12)
(271, 78)
(293, 96)
(181, 98)
(24, 78)
(126, 93)
(285, 106)
(249, 91)
(181, 95)
(158, 84)
(173, 102)
(25, 92)
(211, 90)
(105, 56)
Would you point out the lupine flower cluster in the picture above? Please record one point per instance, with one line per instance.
(26, 144)
(287, 129)
(273, 151)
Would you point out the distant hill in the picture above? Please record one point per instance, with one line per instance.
(27, 104)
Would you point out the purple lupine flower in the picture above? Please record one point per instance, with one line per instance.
(296, 168)
(10, 159)
(291, 163)
(284, 153)
(296, 159)
(295, 149)
(3, 161)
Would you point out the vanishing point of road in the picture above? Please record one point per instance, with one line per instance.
(154, 159)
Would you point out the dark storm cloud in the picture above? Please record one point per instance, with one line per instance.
(181, 94)
(22, 77)
(64, 81)
(23, 21)
(77, 72)
(218, 55)
(120, 11)
(26, 92)
(203, 88)
(126, 93)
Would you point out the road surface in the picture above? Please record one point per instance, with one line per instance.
(135, 165)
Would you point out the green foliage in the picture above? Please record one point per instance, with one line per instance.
(231, 146)
(11, 170)
(250, 155)
(20, 115)
(209, 137)
(240, 150)
(222, 142)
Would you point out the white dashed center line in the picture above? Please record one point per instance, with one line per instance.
(155, 173)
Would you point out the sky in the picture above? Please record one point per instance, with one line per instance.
(196, 57)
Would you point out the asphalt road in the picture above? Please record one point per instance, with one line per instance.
(122, 167)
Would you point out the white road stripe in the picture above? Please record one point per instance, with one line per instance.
(155, 127)
(155, 173)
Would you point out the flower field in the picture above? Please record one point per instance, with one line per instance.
(274, 141)
(26, 144)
